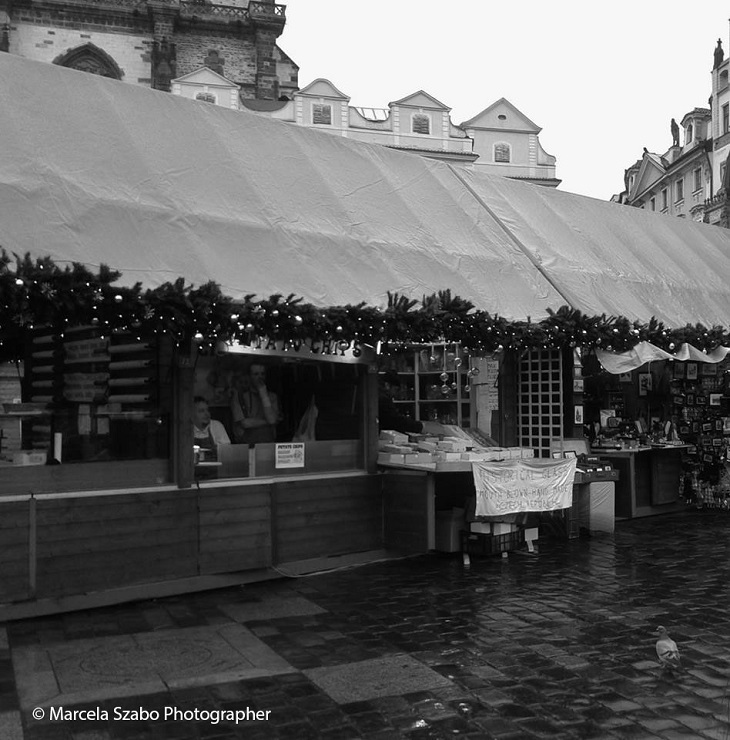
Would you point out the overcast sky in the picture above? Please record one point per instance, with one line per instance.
(602, 79)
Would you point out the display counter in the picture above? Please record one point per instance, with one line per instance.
(275, 459)
(81, 549)
(415, 496)
(648, 479)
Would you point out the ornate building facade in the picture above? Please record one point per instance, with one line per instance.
(500, 140)
(152, 42)
(691, 178)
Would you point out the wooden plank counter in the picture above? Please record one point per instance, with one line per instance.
(87, 548)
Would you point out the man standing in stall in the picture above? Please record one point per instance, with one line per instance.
(256, 411)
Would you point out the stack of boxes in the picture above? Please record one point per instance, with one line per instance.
(396, 448)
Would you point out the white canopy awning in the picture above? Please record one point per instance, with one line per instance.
(643, 352)
(157, 186)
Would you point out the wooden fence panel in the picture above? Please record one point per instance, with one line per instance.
(235, 528)
(14, 550)
(100, 542)
(325, 517)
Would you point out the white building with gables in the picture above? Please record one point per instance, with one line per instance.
(507, 143)
(500, 140)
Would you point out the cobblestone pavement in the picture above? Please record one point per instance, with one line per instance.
(552, 644)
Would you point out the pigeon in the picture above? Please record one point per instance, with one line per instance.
(666, 649)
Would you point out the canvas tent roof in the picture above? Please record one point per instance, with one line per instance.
(609, 258)
(94, 170)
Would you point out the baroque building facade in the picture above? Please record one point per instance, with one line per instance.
(500, 140)
(691, 178)
(151, 42)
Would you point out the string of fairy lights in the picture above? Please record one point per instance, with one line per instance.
(36, 293)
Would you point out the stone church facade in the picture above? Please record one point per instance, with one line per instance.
(152, 42)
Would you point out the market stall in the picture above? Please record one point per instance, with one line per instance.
(663, 419)
(176, 249)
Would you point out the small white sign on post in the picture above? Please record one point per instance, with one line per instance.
(514, 486)
(290, 455)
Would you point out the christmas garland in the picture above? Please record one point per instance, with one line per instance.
(38, 293)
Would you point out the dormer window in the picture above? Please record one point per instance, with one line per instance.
(421, 124)
(502, 152)
(322, 114)
(688, 134)
(206, 97)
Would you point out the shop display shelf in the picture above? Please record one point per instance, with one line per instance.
(477, 543)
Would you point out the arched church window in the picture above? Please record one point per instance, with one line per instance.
(90, 58)
(502, 152)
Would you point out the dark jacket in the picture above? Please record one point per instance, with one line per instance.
(390, 418)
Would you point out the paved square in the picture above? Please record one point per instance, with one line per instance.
(537, 647)
(371, 679)
(272, 608)
(147, 662)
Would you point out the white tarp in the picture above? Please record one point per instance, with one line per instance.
(624, 362)
(514, 486)
(158, 186)
(614, 259)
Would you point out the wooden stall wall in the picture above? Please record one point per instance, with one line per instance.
(235, 528)
(15, 549)
(22, 479)
(408, 505)
(101, 542)
(60, 545)
(326, 516)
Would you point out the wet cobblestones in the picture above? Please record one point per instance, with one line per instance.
(556, 644)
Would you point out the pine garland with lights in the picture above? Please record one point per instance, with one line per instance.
(38, 293)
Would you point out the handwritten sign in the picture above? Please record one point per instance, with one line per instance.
(487, 395)
(290, 455)
(87, 350)
(491, 380)
(514, 486)
(85, 387)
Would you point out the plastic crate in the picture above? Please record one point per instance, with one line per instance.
(476, 543)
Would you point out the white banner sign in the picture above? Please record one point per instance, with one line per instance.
(513, 486)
